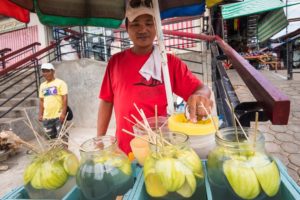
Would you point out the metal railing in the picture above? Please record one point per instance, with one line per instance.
(12, 57)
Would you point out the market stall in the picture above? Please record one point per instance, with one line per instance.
(237, 167)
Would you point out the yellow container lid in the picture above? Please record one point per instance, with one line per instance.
(179, 123)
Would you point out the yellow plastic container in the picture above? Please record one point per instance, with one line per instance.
(201, 135)
(179, 123)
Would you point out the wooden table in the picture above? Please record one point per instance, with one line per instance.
(265, 60)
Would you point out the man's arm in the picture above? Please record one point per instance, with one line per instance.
(104, 115)
(64, 107)
(41, 109)
(201, 96)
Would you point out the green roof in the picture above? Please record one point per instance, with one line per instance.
(271, 24)
(250, 7)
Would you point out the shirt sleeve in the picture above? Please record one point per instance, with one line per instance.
(106, 92)
(41, 95)
(63, 90)
(184, 82)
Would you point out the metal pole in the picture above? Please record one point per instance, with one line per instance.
(289, 49)
(289, 70)
(165, 69)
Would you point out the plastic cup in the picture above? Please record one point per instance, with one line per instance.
(140, 149)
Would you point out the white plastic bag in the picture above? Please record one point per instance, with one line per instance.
(67, 51)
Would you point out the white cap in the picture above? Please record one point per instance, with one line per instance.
(47, 66)
(141, 9)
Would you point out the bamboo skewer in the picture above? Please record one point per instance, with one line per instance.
(212, 120)
(161, 139)
(133, 123)
(156, 122)
(155, 137)
(147, 129)
(34, 132)
(145, 119)
(238, 121)
(18, 140)
(140, 124)
(136, 124)
(36, 135)
(52, 143)
(233, 118)
(75, 143)
(164, 124)
(63, 126)
(142, 114)
(156, 126)
(64, 129)
(33, 148)
(255, 129)
(137, 109)
(138, 136)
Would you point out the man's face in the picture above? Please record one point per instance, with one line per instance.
(142, 31)
(48, 74)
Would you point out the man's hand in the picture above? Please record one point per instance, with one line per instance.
(41, 109)
(40, 118)
(62, 117)
(195, 105)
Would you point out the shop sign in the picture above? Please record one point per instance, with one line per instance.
(10, 24)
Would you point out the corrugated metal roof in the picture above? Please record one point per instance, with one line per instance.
(250, 7)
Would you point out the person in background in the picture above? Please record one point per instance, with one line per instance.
(135, 76)
(53, 94)
(227, 64)
(109, 38)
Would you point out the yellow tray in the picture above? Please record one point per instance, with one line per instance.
(179, 123)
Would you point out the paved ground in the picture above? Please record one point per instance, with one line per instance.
(281, 141)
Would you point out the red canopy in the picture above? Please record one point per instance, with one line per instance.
(10, 9)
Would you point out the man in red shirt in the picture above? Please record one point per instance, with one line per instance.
(134, 76)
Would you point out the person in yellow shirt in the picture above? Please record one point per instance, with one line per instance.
(53, 94)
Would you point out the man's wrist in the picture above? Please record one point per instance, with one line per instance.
(101, 134)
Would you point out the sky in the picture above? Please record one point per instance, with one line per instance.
(292, 12)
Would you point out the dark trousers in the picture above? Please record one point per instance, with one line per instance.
(52, 127)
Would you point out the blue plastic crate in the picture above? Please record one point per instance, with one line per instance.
(138, 192)
(74, 194)
(289, 188)
(17, 193)
(21, 193)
